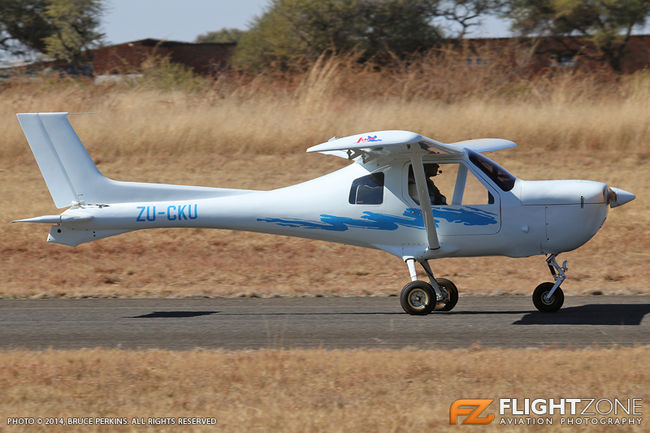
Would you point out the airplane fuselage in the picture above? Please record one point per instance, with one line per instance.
(534, 217)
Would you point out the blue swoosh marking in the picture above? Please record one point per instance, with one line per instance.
(467, 215)
(411, 217)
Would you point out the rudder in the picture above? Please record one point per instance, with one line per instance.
(68, 170)
(72, 177)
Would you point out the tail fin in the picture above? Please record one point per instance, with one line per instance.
(72, 177)
(69, 172)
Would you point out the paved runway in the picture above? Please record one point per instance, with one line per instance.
(504, 321)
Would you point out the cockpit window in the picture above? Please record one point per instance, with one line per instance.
(498, 174)
(368, 189)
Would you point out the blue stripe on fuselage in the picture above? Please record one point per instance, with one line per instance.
(412, 218)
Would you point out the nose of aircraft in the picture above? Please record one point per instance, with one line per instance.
(574, 210)
(618, 197)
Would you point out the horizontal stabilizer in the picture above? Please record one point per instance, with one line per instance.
(45, 219)
(65, 217)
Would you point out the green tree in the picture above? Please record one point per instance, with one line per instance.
(75, 24)
(604, 24)
(23, 26)
(294, 32)
(63, 29)
(220, 36)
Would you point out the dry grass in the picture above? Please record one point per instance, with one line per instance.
(251, 133)
(308, 390)
(266, 115)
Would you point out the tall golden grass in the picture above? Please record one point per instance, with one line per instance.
(440, 97)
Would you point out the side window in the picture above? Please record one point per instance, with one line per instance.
(440, 178)
(498, 174)
(368, 189)
(450, 184)
(475, 192)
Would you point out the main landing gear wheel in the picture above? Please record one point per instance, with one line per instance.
(418, 298)
(450, 293)
(548, 305)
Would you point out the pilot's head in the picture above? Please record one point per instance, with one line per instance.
(431, 170)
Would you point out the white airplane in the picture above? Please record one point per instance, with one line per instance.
(406, 194)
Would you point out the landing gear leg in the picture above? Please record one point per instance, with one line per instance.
(548, 297)
(446, 291)
(420, 298)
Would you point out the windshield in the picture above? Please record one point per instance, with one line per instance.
(498, 174)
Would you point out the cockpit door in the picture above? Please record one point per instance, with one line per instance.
(462, 204)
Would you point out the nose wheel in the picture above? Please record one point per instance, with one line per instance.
(545, 303)
(548, 297)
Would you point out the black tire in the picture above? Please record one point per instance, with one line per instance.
(543, 305)
(449, 289)
(418, 298)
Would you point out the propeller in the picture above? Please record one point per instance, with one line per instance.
(618, 197)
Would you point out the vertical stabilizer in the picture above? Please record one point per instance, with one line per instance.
(68, 170)
(72, 177)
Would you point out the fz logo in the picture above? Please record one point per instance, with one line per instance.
(472, 408)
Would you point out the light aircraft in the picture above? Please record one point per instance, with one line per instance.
(405, 194)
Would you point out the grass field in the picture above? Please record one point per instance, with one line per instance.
(310, 390)
(252, 133)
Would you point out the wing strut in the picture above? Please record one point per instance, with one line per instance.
(423, 195)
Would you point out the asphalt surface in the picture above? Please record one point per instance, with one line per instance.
(177, 324)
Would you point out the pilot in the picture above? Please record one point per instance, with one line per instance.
(436, 197)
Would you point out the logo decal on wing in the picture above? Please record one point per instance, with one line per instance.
(369, 139)
(411, 218)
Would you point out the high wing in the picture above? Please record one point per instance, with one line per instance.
(396, 143)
